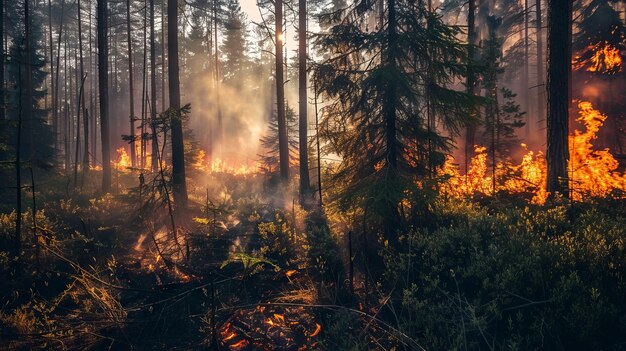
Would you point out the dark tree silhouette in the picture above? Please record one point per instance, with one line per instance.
(280, 94)
(559, 76)
(103, 87)
(179, 183)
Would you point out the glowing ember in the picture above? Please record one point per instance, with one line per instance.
(240, 344)
(290, 273)
(318, 328)
(604, 59)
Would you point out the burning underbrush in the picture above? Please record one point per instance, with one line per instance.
(592, 173)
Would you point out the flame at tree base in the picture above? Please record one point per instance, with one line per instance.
(593, 173)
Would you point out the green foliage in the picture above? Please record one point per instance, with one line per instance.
(524, 278)
(385, 88)
(269, 142)
(277, 239)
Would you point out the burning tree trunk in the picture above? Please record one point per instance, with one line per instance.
(103, 82)
(302, 80)
(131, 87)
(283, 142)
(179, 183)
(559, 79)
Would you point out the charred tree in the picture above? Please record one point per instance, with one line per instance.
(559, 78)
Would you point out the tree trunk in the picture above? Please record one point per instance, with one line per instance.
(81, 103)
(470, 131)
(144, 78)
(153, 93)
(103, 83)
(389, 105)
(131, 87)
(305, 183)
(529, 120)
(283, 142)
(18, 179)
(2, 98)
(559, 72)
(28, 83)
(220, 127)
(541, 96)
(179, 184)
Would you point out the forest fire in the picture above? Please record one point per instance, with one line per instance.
(216, 165)
(593, 173)
(122, 162)
(604, 58)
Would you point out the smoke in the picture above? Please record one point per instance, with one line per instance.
(243, 107)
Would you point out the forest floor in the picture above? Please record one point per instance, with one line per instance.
(247, 268)
(235, 274)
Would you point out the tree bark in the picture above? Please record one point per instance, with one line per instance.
(559, 72)
(2, 98)
(81, 103)
(103, 83)
(131, 87)
(470, 131)
(305, 183)
(529, 120)
(28, 83)
(541, 96)
(153, 94)
(179, 183)
(220, 127)
(283, 142)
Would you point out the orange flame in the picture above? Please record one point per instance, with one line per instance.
(605, 59)
(592, 172)
(122, 162)
(240, 344)
(216, 165)
(318, 328)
